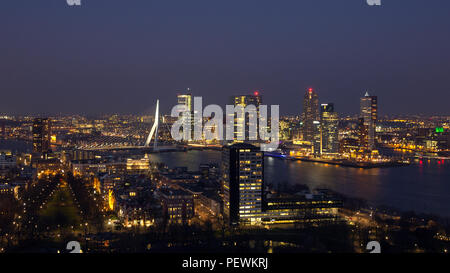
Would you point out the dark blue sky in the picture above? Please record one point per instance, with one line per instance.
(119, 55)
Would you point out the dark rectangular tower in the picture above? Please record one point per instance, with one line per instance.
(242, 183)
(310, 115)
(41, 136)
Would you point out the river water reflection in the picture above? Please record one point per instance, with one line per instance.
(420, 187)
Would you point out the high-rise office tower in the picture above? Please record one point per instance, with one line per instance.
(244, 120)
(41, 136)
(369, 115)
(329, 129)
(310, 114)
(242, 183)
(362, 134)
(317, 139)
(186, 100)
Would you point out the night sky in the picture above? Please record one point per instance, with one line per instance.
(120, 56)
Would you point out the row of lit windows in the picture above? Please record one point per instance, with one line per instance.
(249, 187)
(249, 184)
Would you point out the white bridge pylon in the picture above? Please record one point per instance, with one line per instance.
(154, 130)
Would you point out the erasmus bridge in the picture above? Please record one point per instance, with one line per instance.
(153, 134)
(154, 130)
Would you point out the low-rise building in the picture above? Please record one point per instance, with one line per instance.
(178, 205)
(132, 199)
(138, 166)
(305, 208)
(7, 161)
(92, 167)
(47, 167)
(9, 189)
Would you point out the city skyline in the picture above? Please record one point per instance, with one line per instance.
(94, 181)
(219, 133)
(72, 59)
(151, 110)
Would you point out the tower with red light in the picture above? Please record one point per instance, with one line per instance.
(311, 115)
(369, 108)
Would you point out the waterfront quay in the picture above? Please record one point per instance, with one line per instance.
(344, 162)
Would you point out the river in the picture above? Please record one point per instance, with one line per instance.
(421, 187)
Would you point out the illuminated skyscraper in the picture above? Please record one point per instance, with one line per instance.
(244, 120)
(369, 115)
(41, 136)
(242, 183)
(362, 134)
(329, 129)
(186, 100)
(310, 114)
(317, 139)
